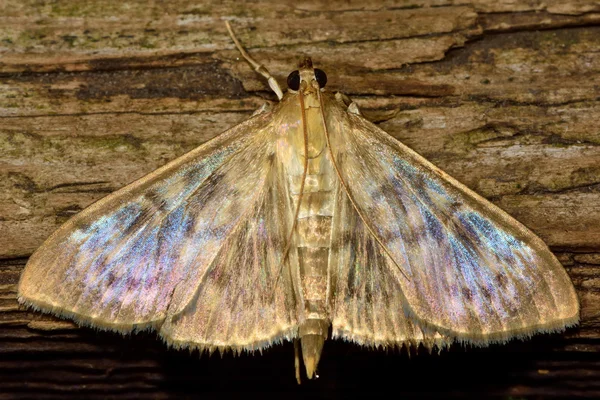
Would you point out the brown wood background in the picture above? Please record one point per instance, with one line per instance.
(504, 95)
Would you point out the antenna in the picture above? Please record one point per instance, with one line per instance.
(257, 67)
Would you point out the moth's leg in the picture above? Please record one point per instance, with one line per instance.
(257, 67)
(347, 101)
(353, 108)
(372, 116)
(297, 360)
(263, 109)
(343, 99)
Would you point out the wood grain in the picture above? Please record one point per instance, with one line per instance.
(503, 95)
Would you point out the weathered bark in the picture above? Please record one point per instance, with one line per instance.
(504, 96)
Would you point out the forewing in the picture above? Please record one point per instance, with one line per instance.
(247, 299)
(126, 260)
(465, 268)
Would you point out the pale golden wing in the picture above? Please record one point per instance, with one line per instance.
(247, 299)
(367, 304)
(128, 260)
(472, 272)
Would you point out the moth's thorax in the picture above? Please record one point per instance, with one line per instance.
(320, 175)
(292, 137)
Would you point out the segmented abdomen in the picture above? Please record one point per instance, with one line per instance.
(313, 236)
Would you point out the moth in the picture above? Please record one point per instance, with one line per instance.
(302, 223)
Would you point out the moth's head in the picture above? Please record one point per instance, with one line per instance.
(306, 78)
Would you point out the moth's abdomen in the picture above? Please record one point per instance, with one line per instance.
(313, 237)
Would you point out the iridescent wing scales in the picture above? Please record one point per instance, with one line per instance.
(472, 272)
(140, 255)
(246, 300)
(368, 306)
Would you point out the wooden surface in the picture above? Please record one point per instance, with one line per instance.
(503, 95)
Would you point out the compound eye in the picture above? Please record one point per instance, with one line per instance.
(293, 80)
(321, 77)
